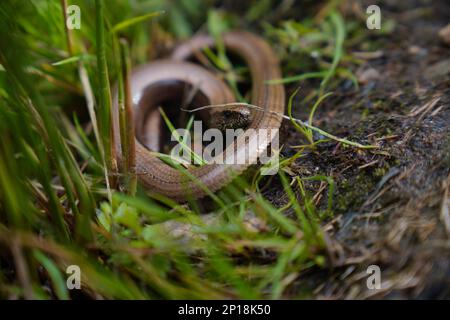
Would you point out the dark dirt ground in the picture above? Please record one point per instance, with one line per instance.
(390, 204)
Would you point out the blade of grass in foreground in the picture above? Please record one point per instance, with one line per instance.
(58, 281)
(105, 104)
(338, 24)
(95, 276)
(303, 76)
(127, 23)
(197, 158)
(88, 92)
(126, 118)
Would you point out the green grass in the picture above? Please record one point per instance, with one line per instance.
(61, 195)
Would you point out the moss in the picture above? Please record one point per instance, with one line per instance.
(353, 192)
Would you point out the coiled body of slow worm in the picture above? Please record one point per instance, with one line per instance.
(158, 177)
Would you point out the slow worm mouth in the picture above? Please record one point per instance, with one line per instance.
(171, 95)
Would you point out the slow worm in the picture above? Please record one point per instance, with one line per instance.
(155, 83)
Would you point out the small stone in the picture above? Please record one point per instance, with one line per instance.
(417, 51)
(438, 71)
(365, 55)
(367, 75)
(414, 49)
(254, 224)
(444, 34)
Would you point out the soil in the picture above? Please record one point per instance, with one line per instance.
(391, 204)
